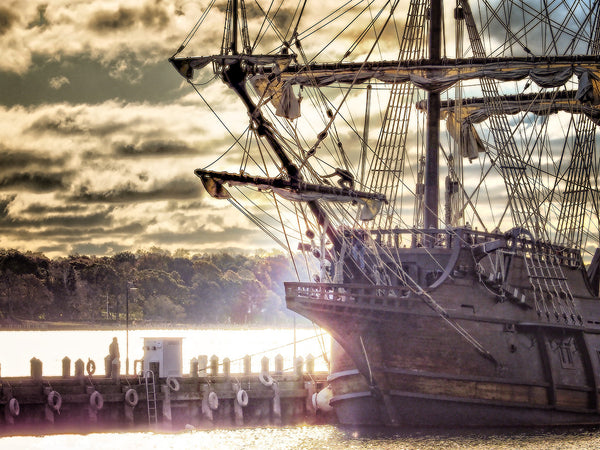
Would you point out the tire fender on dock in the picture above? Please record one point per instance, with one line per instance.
(13, 407)
(173, 384)
(242, 398)
(265, 379)
(90, 367)
(213, 401)
(96, 400)
(55, 401)
(131, 397)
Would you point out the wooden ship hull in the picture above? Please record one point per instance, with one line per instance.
(402, 363)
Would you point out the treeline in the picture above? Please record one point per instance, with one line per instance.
(156, 285)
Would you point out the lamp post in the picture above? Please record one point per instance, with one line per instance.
(128, 287)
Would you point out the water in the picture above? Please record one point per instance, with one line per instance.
(18, 347)
(318, 437)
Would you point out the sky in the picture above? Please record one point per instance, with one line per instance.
(99, 136)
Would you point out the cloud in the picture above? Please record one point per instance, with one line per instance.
(58, 82)
(26, 159)
(204, 236)
(65, 221)
(7, 20)
(99, 30)
(35, 181)
(41, 20)
(59, 121)
(153, 16)
(4, 204)
(112, 20)
(175, 189)
(155, 148)
(43, 209)
(104, 248)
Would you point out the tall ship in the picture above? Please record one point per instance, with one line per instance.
(432, 169)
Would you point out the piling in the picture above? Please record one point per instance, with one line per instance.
(206, 410)
(116, 370)
(214, 365)
(238, 404)
(247, 365)
(310, 364)
(276, 404)
(79, 368)
(264, 365)
(194, 368)
(279, 364)
(66, 367)
(107, 365)
(226, 367)
(166, 405)
(298, 363)
(36, 368)
(202, 365)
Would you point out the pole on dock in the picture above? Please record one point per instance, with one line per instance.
(128, 287)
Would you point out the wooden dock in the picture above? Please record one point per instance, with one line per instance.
(210, 396)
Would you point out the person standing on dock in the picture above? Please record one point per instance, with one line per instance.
(113, 352)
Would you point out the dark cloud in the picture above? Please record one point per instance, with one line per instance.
(113, 20)
(155, 148)
(59, 122)
(69, 221)
(21, 159)
(203, 236)
(106, 248)
(41, 20)
(35, 181)
(154, 16)
(69, 123)
(66, 232)
(91, 82)
(176, 189)
(4, 203)
(44, 209)
(62, 249)
(7, 20)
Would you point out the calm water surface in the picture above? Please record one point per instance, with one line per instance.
(317, 437)
(18, 347)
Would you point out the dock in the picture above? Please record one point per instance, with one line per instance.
(210, 396)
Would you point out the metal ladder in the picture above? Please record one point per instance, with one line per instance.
(150, 396)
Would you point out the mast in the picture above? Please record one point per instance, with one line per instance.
(234, 75)
(234, 26)
(430, 213)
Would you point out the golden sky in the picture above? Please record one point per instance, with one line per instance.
(99, 136)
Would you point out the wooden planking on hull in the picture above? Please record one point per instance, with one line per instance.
(416, 354)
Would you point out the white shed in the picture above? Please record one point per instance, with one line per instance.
(166, 353)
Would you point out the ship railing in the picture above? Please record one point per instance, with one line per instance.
(350, 294)
(466, 236)
(442, 238)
